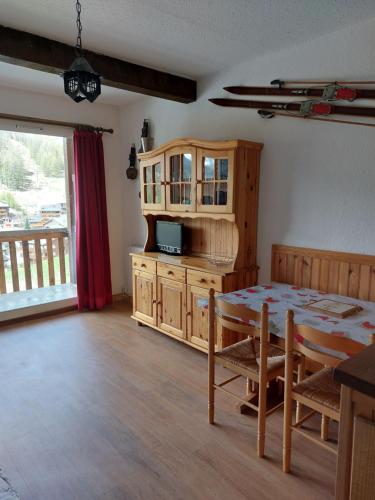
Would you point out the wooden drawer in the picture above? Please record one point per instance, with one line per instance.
(143, 264)
(171, 272)
(205, 280)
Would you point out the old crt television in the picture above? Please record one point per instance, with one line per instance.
(169, 237)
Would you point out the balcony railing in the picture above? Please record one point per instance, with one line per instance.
(31, 259)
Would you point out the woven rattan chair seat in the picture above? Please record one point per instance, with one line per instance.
(321, 388)
(245, 354)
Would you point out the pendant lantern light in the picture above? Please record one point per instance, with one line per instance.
(80, 80)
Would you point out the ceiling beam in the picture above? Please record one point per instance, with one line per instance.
(36, 52)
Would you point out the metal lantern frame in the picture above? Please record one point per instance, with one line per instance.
(80, 80)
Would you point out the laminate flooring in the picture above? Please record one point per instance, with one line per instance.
(95, 407)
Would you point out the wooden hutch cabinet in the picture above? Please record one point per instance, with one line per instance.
(212, 188)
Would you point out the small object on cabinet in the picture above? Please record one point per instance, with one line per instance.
(145, 137)
(131, 171)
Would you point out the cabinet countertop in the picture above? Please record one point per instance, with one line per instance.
(188, 261)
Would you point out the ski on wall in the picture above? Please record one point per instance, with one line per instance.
(304, 108)
(330, 92)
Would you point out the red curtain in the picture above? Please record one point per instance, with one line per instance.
(92, 246)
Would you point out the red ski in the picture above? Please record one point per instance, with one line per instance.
(304, 108)
(329, 92)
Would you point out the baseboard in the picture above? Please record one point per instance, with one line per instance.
(122, 297)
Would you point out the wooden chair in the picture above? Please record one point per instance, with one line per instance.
(253, 358)
(318, 391)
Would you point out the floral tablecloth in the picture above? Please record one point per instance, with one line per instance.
(281, 297)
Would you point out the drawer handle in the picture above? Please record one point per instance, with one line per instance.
(143, 265)
(170, 272)
(154, 301)
(203, 280)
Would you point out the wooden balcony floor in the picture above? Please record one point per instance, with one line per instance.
(19, 304)
(95, 407)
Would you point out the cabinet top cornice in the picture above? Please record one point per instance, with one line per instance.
(214, 145)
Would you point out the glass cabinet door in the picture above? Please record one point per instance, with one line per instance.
(180, 180)
(152, 178)
(215, 181)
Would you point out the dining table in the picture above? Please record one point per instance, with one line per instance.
(281, 296)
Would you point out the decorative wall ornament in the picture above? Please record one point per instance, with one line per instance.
(131, 171)
(145, 137)
(80, 81)
(321, 105)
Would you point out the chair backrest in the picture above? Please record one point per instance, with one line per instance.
(296, 335)
(248, 322)
(226, 315)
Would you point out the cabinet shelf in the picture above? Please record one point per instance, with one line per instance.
(192, 215)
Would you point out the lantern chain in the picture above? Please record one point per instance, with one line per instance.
(80, 80)
(79, 26)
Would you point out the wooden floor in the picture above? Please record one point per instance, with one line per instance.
(95, 407)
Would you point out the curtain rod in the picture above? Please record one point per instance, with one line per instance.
(42, 121)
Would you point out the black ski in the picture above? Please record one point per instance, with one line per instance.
(304, 108)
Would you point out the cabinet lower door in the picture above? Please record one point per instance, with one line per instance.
(144, 297)
(197, 323)
(172, 307)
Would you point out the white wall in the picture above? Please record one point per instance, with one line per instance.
(62, 108)
(317, 180)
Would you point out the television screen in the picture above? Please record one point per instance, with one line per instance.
(169, 237)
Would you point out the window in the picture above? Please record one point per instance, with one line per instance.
(35, 213)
